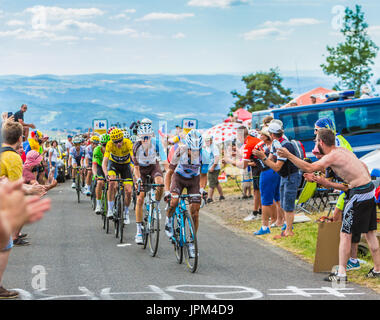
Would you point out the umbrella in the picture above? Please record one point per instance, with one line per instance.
(223, 132)
(243, 114)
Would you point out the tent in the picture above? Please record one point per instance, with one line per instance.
(304, 99)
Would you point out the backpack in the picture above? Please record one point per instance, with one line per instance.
(299, 148)
(4, 149)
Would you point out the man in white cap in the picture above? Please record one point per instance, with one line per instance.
(290, 175)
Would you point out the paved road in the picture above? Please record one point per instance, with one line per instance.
(80, 261)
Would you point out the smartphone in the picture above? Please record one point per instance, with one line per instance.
(10, 114)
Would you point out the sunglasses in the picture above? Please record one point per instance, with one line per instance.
(118, 141)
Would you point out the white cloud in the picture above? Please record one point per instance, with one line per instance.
(74, 25)
(179, 35)
(123, 15)
(15, 23)
(280, 30)
(125, 31)
(35, 34)
(263, 33)
(165, 16)
(58, 13)
(296, 22)
(216, 3)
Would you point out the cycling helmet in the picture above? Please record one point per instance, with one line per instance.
(116, 134)
(326, 123)
(77, 140)
(104, 138)
(194, 140)
(126, 133)
(95, 139)
(145, 128)
(146, 121)
(133, 138)
(110, 129)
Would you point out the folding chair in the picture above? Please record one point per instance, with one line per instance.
(305, 197)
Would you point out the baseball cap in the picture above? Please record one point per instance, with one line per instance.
(279, 122)
(274, 127)
(265, 132)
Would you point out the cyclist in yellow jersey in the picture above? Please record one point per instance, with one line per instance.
(116, 162)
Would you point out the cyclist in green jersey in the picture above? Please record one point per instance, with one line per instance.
(97, 171)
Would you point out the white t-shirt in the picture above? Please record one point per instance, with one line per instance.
(54, 154)
(68, 145)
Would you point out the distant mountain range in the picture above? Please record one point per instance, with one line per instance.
(69, 102)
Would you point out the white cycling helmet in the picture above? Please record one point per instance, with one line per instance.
(146, 121)
(145, 129)
(194, 140)
(126, 133)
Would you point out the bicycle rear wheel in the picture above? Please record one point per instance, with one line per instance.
(78, 188)
(93, 195)
(145, 231)
(190, 237)
(154, 230)
(116, 217)
(178, 249)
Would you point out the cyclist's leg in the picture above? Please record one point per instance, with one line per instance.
(126, 173)
(112, 187)
(193, 189)
(158, 179)
(100, 183)
(176, 187)
(74, 165)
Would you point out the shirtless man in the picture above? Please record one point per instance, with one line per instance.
(359, 215)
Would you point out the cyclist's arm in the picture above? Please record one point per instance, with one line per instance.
(203, 181)
(94, 168)
(105, 165)
(168, 178)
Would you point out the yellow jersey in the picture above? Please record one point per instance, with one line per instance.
(121, 155)
(11, 165)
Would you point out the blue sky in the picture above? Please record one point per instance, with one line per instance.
(171, 36)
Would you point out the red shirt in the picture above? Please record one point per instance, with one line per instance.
(251, 143)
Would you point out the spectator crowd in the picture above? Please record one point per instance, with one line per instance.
(23, 184)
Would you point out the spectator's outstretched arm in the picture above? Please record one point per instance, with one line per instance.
(34, 189)
(17, 210)
(319, 165)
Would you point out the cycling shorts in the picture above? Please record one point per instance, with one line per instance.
(122, 170)
(99, 172)
(152, 170)
(192, 185)
(76, 160)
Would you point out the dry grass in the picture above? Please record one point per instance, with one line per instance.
(232, 211)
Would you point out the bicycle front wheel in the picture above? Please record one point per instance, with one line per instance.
(191, 245)
(178, 249)
(121, 219)
(154, 230)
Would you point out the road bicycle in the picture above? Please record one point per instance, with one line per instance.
(78, 181)
(151, 221)
(184, 234)
(118, 217)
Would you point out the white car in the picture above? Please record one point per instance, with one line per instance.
(372, 160)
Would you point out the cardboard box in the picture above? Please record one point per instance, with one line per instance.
(327, 249)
